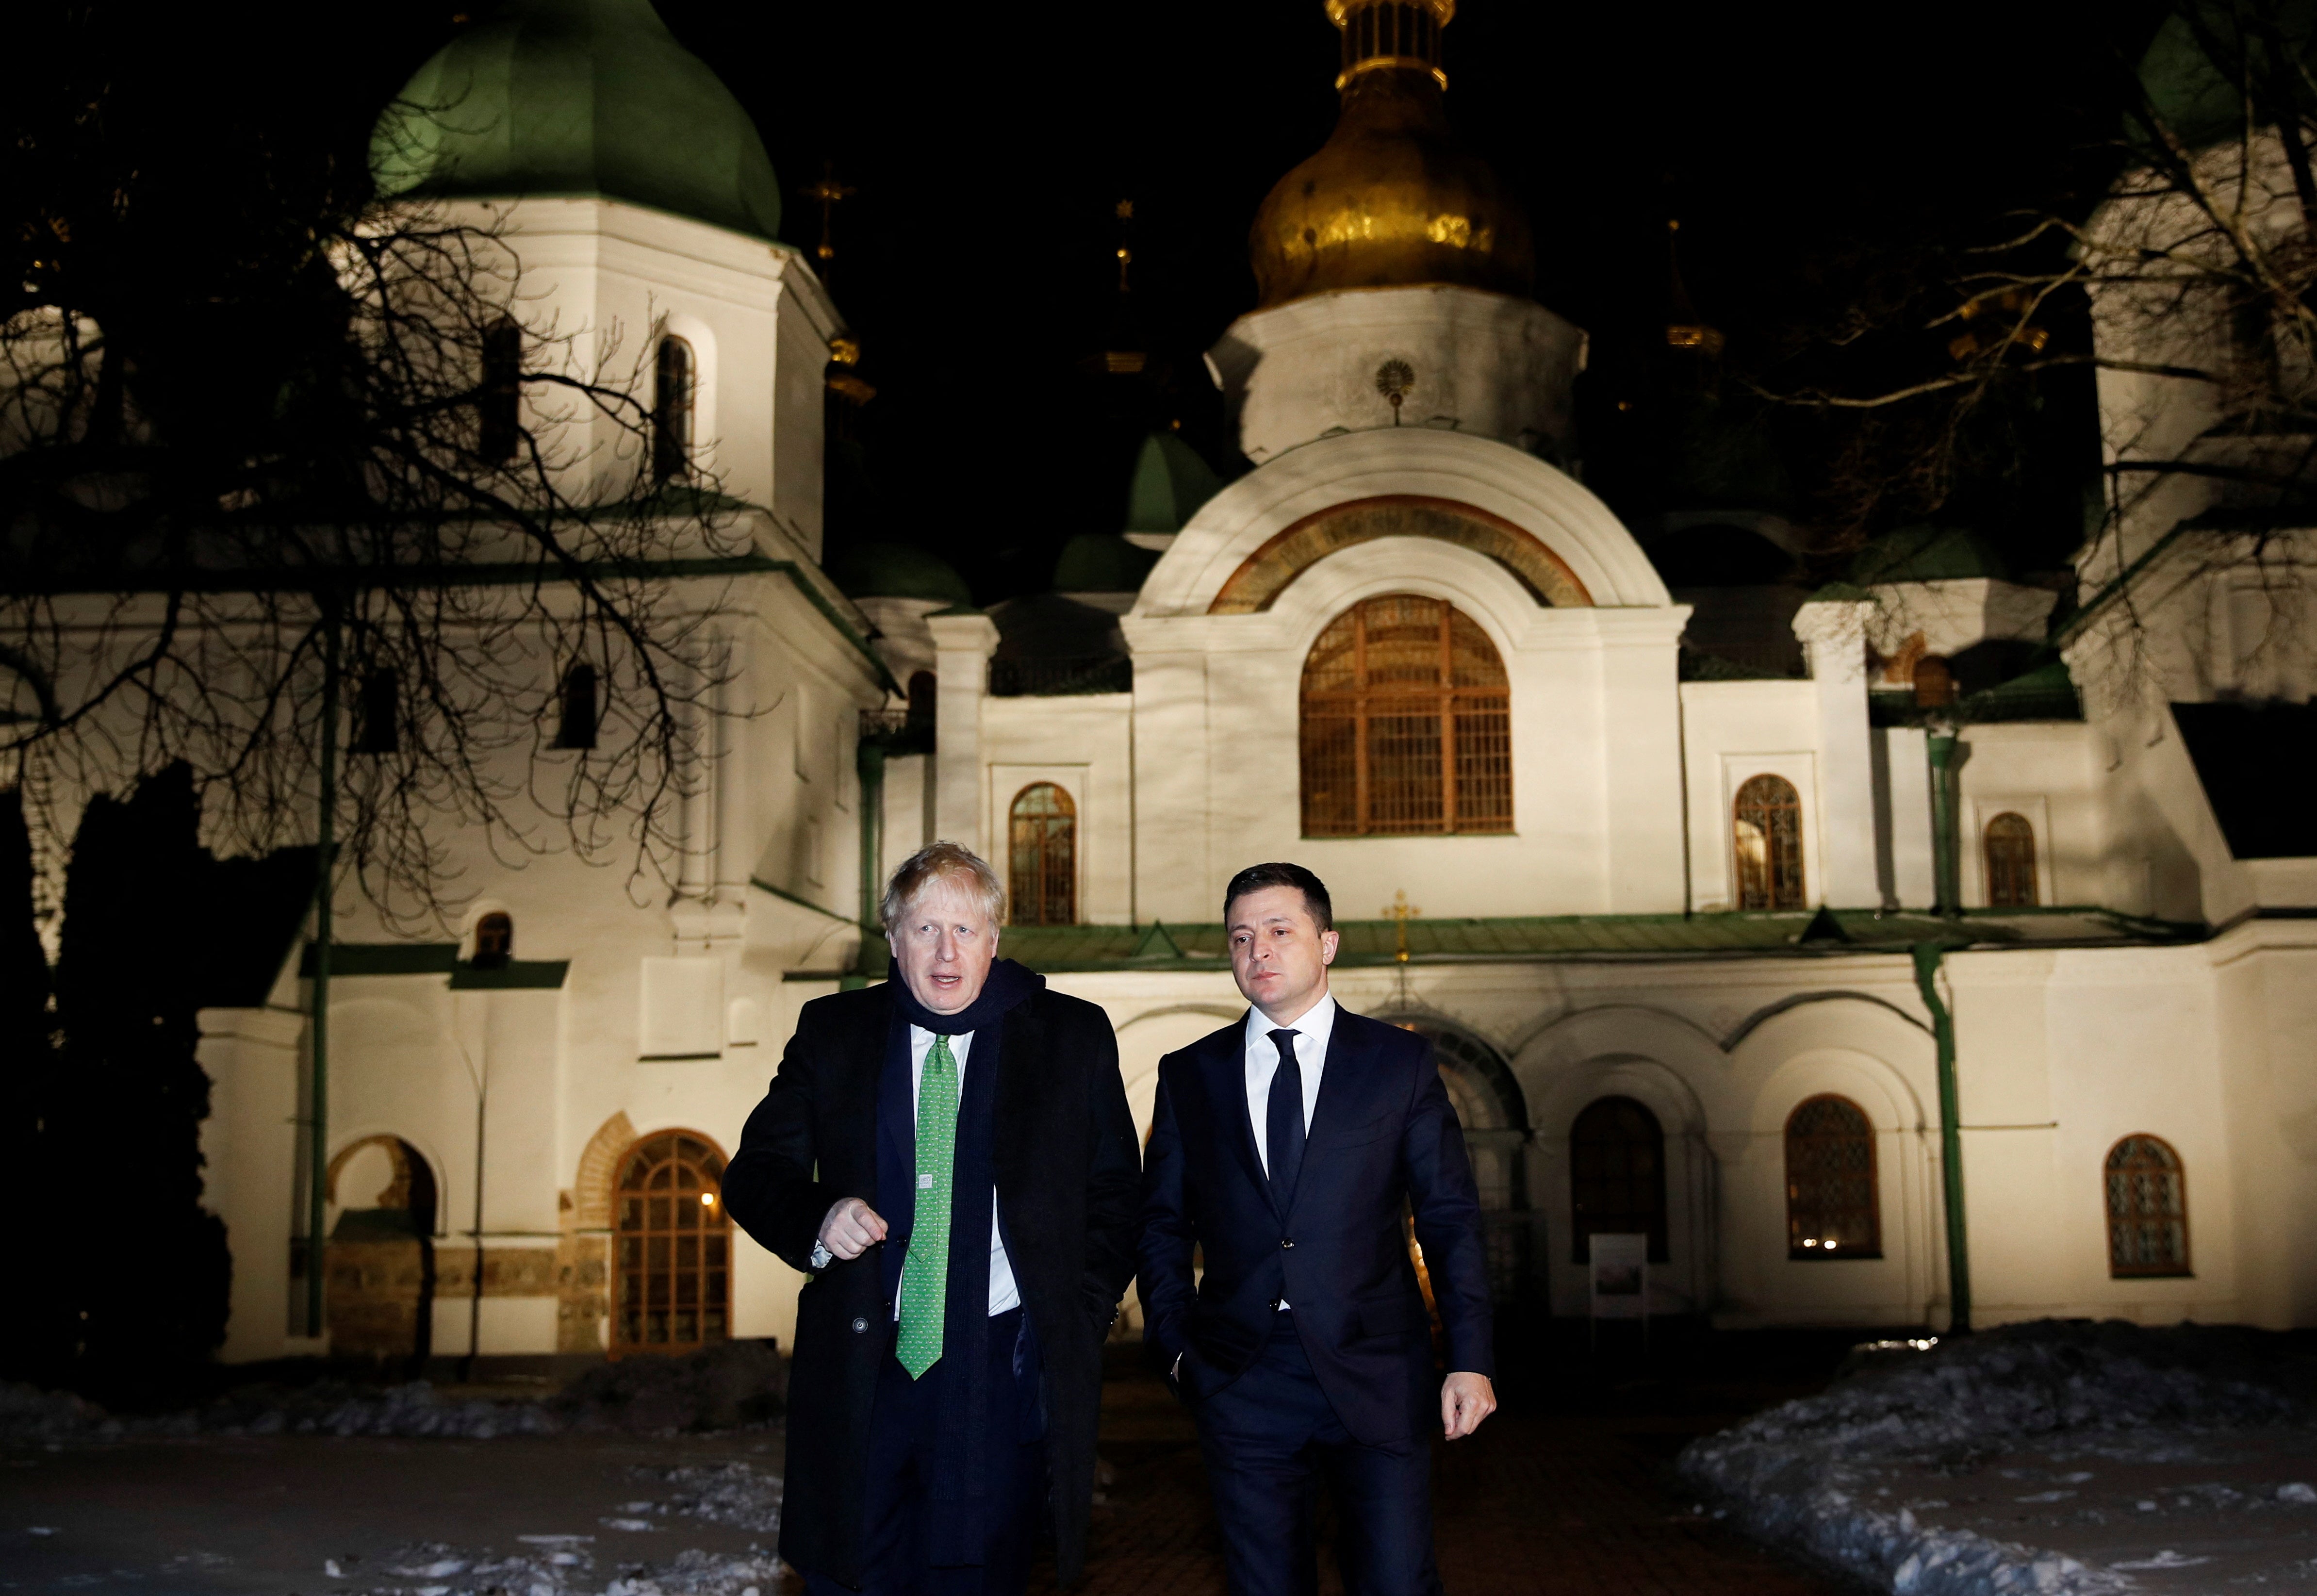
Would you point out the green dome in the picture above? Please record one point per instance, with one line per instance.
(2197, 97)
(895, 571)
(1170, 483)
(578, 97)
(1102, 563)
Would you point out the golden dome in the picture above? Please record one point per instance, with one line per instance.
(1392, 200)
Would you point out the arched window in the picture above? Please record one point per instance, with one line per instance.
(1616, 1174)
(672, 393)
(674, 1247)
(498, 399)
(1045, 889)
(1767, 823)
(494, 940)
(1407, 723)
(1832, 1208)
(924, 691)
(2010, 862)
(2147, 1209)
(576, 723)
(378, 714)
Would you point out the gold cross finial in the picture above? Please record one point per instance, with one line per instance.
(1400, 911)
(828, 192)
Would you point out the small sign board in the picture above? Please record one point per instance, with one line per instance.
(1618, 1266)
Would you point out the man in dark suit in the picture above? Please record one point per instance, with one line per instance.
(950, 1157)
(1284, 1149)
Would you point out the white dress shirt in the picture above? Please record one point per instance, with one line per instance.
(1005, 1295)
(1311, 1033)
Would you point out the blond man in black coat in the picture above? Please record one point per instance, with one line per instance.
(950, 1158)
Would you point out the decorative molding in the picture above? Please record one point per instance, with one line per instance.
(1264, 574)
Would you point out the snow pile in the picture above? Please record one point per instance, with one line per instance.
(725, 1386)
(557, 1566)
(721, 1387)
(734, 1494)
(1797, 1473)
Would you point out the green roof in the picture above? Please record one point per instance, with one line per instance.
(1926, 553)
(1102, 563)
(1170, 482)
(1551, 938)
(894, 570)
(2198, 100)
(589, 98)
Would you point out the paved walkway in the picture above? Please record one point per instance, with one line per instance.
(1569, 1504)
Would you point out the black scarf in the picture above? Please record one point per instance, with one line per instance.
(1009, 986)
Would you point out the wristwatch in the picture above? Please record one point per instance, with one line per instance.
(821, 1257)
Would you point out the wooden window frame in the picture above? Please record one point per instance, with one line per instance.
(2025, 833)
(1805, 1249)
(1470, 718)
(2120, 1268)
(634, 1268)
(1775, 899)
(1036, 855)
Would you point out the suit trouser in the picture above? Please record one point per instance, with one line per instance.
(896, 1508)
(1262, 1436)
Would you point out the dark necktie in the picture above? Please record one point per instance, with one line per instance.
(1283, 1128)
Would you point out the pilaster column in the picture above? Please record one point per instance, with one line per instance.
(964, 641)
(1833, 634)
(1641, 709)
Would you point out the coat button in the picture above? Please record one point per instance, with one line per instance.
(1287, 1243)
(1275, 1305)
(860, 1325)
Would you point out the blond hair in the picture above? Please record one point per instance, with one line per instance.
(937, 862)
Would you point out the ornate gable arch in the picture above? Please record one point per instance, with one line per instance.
(1249, 544)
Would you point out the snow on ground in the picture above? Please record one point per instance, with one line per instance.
(2071, 1459)
(557, 1566)
(727, 1387)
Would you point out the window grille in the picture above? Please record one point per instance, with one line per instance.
(672, 395)
(1407, 723)
(1044, 891)
(1616, 1174)
(2147, 1209)
(1768, 827)
(1832, 1208)
(2010, 862)
(673, 1247)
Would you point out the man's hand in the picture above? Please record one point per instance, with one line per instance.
(1465, 1399)
(852, 1227)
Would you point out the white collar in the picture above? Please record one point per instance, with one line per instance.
(1316, 1022)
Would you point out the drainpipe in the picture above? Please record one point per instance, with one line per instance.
(869, 762)
(317, 1125)
(1927, 956)
(1946, 863)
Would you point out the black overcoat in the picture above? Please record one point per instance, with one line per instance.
(1067, 1177)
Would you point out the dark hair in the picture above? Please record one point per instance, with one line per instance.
(1256, 877)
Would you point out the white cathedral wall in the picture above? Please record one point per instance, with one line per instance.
(1733, 732)
(596, 276)
(1084, 744)
(2050, 772)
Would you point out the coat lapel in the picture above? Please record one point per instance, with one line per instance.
(1022, 1043)
(1346, 1084)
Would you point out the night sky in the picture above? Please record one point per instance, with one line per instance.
(1810, 151)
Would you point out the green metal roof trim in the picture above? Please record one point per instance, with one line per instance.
(1102, 563)
(578, 97)
(1926, 553)
(1170, 482)
(894, 570)
(1585, 938)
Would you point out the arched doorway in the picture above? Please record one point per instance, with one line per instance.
(672, 1247)
(381, 1257)
(1618, 1176)
(1494, 1114)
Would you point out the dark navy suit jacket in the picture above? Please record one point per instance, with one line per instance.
(1383, 1139)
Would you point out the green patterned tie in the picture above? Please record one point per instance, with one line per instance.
(924, 1273)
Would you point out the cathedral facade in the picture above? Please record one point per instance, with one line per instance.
(1862, 997)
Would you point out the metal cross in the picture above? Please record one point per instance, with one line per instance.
(828, 192)
(1401, 911)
